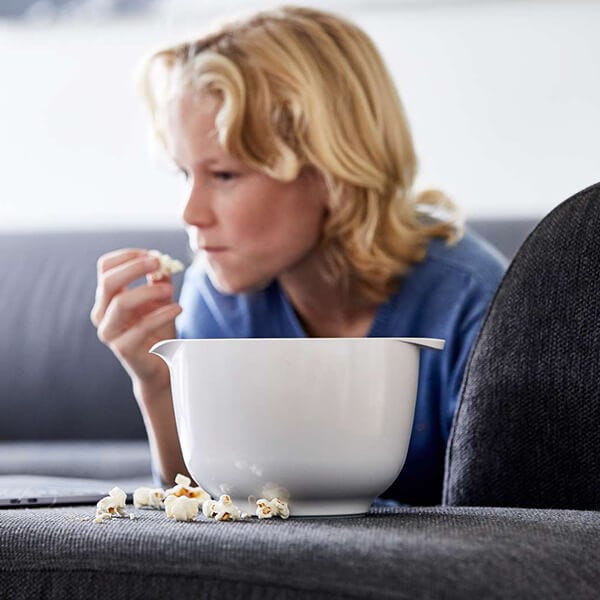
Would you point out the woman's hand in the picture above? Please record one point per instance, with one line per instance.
(131, 320)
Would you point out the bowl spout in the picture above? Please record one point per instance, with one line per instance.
(165, 349)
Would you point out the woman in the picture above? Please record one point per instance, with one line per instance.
(300, 208)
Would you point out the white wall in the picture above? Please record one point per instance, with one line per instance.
(503, 98)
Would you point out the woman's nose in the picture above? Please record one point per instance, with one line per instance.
(198, 209)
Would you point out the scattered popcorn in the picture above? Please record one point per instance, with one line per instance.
(168, 265)
(184, 488)
(145, 497)
(112, 505)
(223, 510)
(181, 508)
(183, 502)
(271, 508)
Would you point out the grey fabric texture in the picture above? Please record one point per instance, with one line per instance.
(57, 381)
(410, 553)
(527, 429)
(108, 459)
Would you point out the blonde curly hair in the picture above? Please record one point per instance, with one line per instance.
(303, 87)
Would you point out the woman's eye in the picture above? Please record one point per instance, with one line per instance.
(224, 175)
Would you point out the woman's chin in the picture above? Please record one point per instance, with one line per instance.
(232, 285)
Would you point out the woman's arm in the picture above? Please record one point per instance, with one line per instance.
(130, 321)
(156, 406)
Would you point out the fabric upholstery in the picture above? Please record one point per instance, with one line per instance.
(505, 234)
(527, 429)
(95, 459)
(57, 381)
(407, 553)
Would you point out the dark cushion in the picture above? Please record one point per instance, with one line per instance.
(392, 553)
(527, 429)
(57, 381)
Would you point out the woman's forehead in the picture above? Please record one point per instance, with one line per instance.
(190, 104)
(191, 135)
(191, 123)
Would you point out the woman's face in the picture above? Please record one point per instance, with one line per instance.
(253, 228)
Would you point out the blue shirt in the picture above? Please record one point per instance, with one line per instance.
(445, 296)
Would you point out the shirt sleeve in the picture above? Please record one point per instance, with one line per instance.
(472, 316)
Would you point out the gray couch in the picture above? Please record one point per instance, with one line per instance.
(67, 409)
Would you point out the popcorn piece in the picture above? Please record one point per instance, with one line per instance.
(223, 510)
(145, 497)
(181, 508)
(209, 509)
(184, 488)
(182, 480)
(112, 505)
(267, 509)
(281, 508)
(263, 510)
(100, 517)
(168, 265)
(226, 509)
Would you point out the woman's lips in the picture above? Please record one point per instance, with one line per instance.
(213, 249)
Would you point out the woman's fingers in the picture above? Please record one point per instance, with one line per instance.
(117, 257)
(116, 278)
(129, 320)
(128, 307)
(141, 334)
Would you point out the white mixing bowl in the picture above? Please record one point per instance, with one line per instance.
(322, 423)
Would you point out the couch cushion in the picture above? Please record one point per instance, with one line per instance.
(57, 381)
(392, 553)
(109, 459)
(526, 431)
(505, 234)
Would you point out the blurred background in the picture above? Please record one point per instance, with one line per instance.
(502, 96)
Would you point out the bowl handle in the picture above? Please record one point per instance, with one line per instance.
(432, 343)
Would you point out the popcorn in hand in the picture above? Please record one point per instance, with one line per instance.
(271, 508)
(145, 497)
(184, 488)
(223, 510)
(168, 265)
(112, 505)
(181, 508)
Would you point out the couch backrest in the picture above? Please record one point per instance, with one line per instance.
(57, 381)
